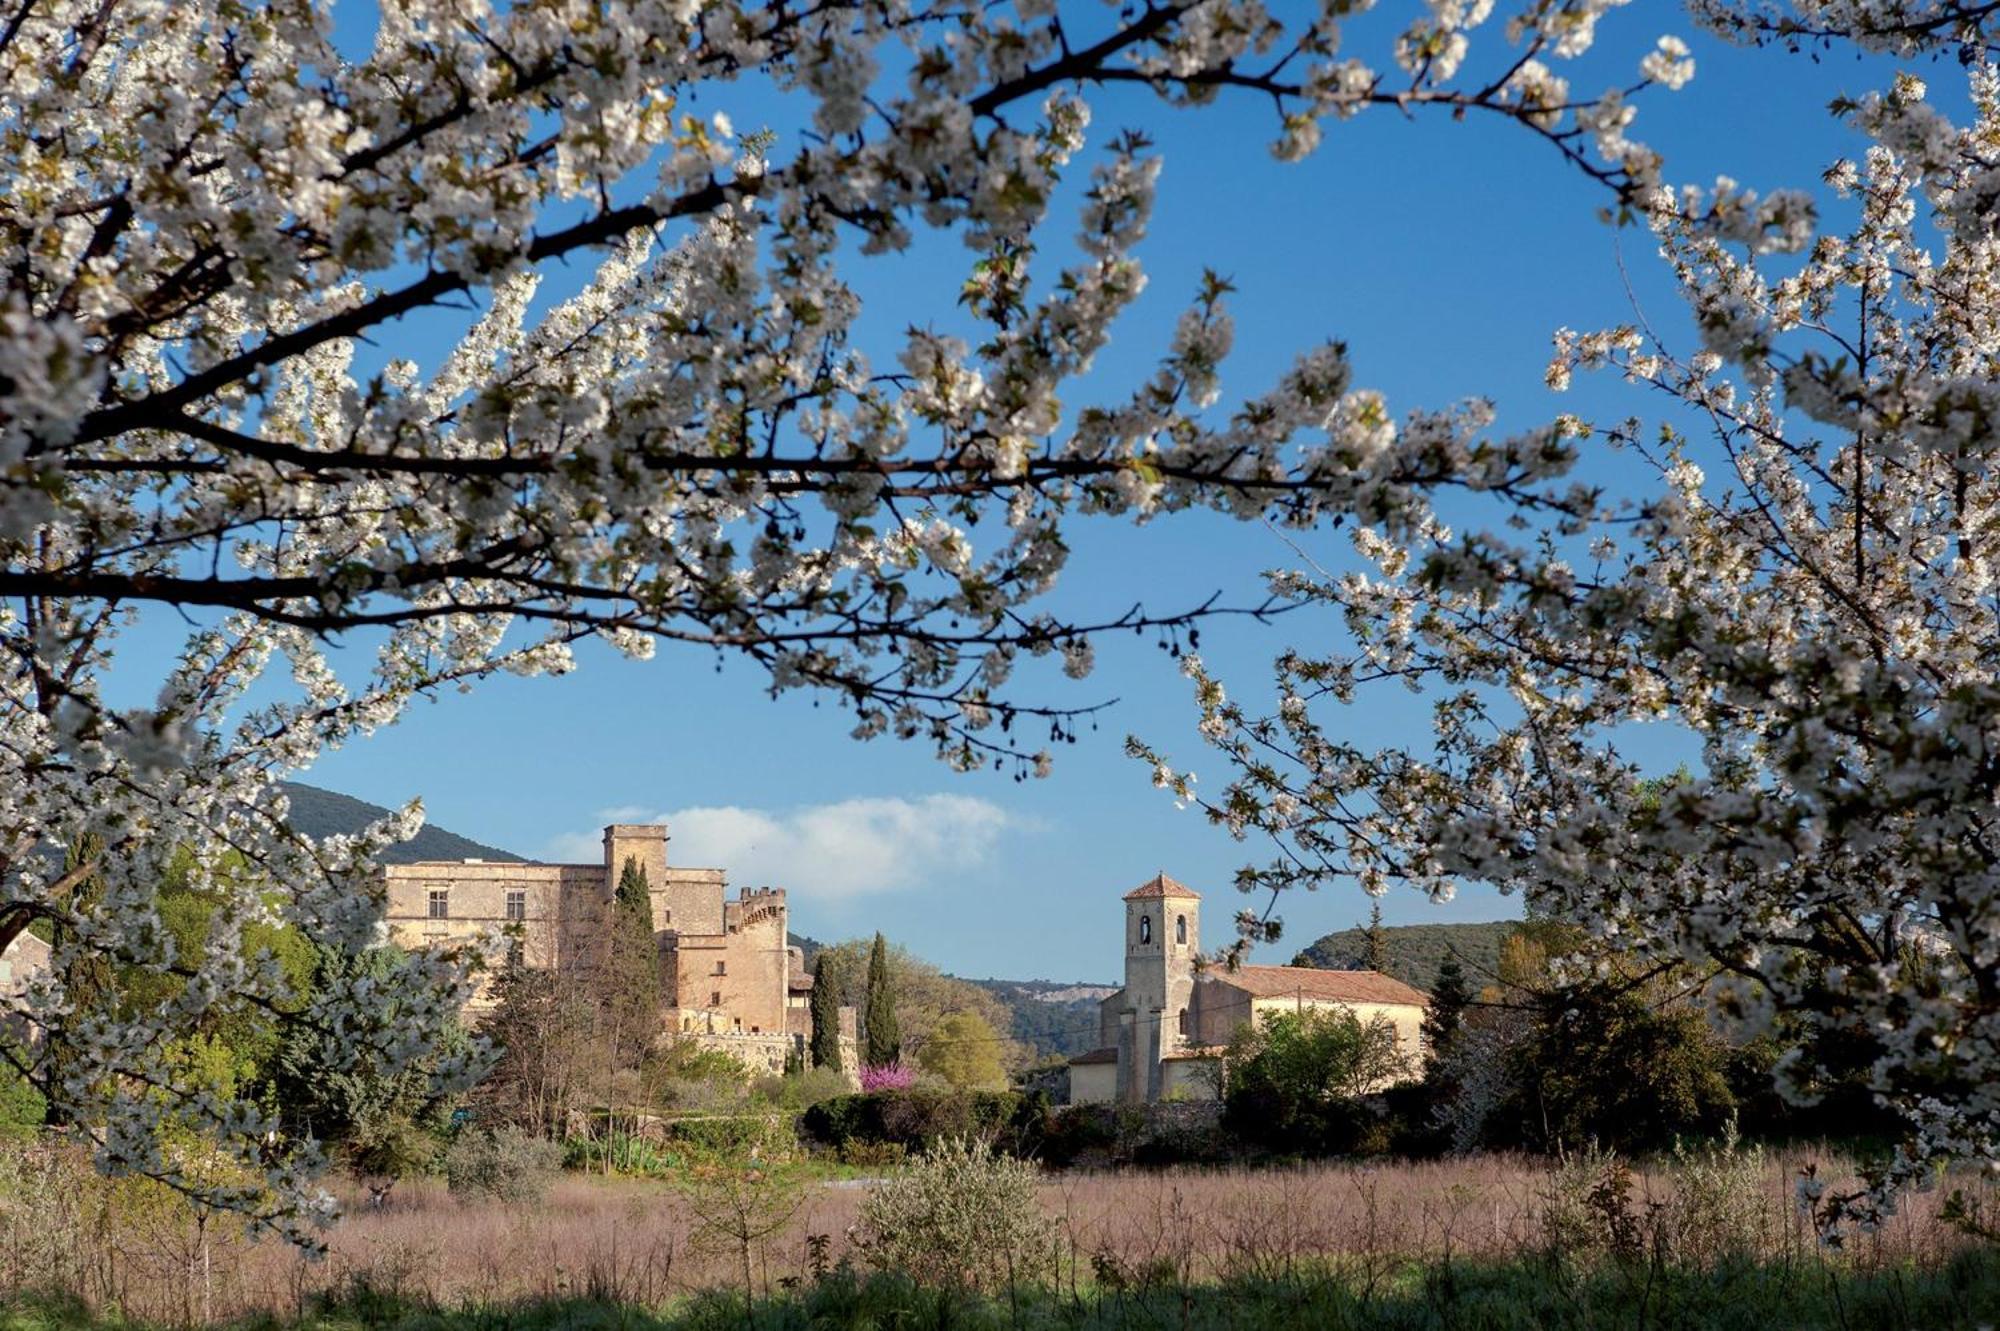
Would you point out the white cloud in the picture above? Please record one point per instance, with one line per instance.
(849, 848)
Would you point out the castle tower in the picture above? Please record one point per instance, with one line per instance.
(1162, 940)
(644, 842)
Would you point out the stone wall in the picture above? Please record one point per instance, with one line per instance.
(689, 901)
(559, 909)
(765, 1053)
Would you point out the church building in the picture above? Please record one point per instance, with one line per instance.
(1163, 1034)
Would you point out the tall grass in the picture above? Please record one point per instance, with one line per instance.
(1590, 1231)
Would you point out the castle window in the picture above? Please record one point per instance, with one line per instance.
(715, 999)
(1180, 930)
(722, 968)
(440, 903)
(1145, 928)
(517, 905)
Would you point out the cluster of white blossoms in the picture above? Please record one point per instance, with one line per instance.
(1803, 581)
(206, 207)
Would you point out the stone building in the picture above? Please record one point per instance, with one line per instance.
(731, 980)
(20, 962)
(1162, 1034)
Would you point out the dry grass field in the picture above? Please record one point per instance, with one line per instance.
(646, 1244)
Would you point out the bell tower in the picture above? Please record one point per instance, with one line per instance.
(1162, 940)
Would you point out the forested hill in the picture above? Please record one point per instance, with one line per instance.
(1051, 1017)
(321, 813)
(1415, 950)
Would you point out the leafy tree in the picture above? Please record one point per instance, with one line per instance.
(826, 1012)
(1291, 1079)
(924, 996)
(382, 1114)
(1603, 1064)
(964, 1050)
(885, 1041)
(540, 1027)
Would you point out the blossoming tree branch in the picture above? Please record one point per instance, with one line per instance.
(1804, 582)
(208, 207)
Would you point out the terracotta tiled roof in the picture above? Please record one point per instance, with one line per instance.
(1159, 885)
(1108, 1054)
(1329, 986)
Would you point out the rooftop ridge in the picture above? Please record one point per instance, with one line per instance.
(1159, 885)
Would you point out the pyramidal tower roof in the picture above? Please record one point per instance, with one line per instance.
(1159, 885)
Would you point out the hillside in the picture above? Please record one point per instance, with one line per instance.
(321, 813)
(1051, 1017)
(1415, 950)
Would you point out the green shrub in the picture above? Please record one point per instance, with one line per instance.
(722, 1136)
(963, 1217)
(507, 1165)
(1720, 1207)
(872, 1155)
(21, 1106)
(619, 1153)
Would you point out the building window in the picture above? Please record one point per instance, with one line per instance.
(722, 968)
(1145, 928)
(517, 905)
(1180, 930)
(440, 903)
(715, 999)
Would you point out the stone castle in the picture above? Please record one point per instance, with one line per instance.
(1162, 1035)
(730, 979)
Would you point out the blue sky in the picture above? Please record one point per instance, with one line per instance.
(1443, 254)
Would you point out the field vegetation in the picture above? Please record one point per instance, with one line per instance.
(1706, 1236)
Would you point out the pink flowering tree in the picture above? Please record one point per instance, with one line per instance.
(888, 1077)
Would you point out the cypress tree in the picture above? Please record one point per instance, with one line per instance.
(1446, 1013)
(1378, 942)
(88, 979)
(885, 1040)
(631, 978)
(826, 1012)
